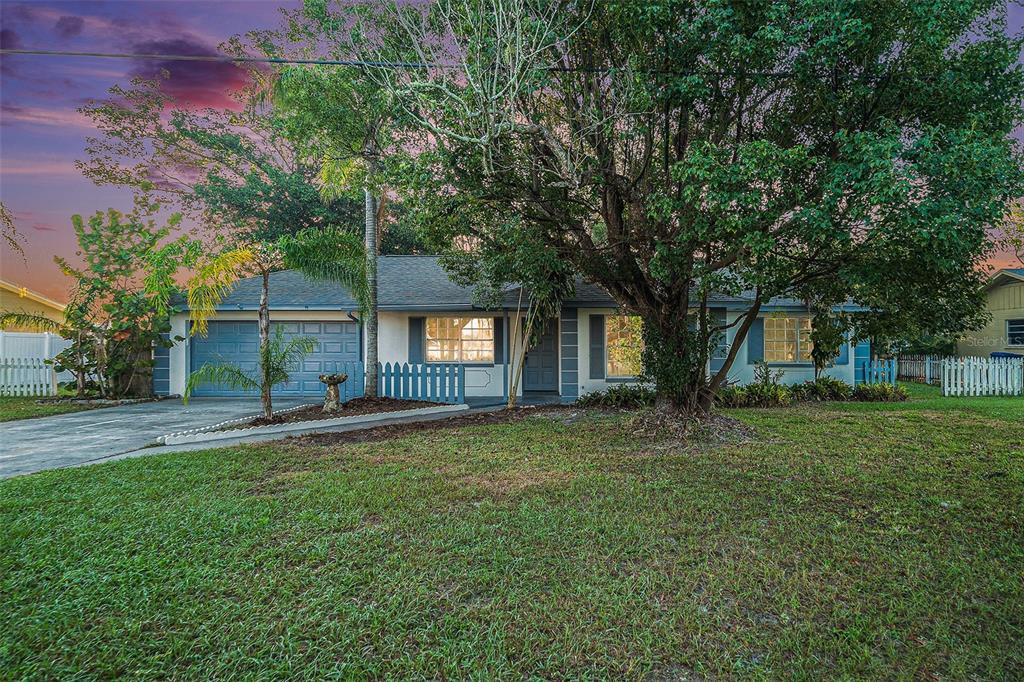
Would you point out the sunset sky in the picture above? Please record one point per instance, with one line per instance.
(41, 134)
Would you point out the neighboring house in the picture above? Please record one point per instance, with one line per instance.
(1004, 300)
(18, 299)
(427, 318)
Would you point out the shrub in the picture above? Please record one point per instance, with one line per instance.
(821, 389)
(620, 395)
(765, 390)
(879, 393)
(731, 396)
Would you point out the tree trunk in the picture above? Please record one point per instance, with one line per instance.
(370, 389)
(264, 329)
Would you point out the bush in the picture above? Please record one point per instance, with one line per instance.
(879, 393)
(731, 396)
(620, 395)
(822, 389)
(765, 390)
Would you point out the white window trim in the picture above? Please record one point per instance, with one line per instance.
(478, 363)
(796, 362)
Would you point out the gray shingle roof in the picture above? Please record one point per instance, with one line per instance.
(407, 283)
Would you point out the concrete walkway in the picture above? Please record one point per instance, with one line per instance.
(29, 445)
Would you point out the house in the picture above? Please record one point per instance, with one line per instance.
(1004, 333)
(425, 317)
(18, 299)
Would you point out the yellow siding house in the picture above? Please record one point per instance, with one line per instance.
(18, 299)
(1005, 331)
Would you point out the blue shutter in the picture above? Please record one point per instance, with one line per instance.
(417, 331)
(755, 342)
(499, 341)
(720, 349)
(844, 353)
(597, 346)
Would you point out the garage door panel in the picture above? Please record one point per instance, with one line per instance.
(237, 342)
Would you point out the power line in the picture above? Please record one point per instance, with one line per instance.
(225, 59)
(360, 63)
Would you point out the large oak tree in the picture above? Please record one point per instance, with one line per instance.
(670, 149)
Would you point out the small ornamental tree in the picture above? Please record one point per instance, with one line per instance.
(667, 150)
(119, 309)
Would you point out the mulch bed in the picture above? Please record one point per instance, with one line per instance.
(353, 407)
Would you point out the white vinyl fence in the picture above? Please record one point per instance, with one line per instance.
(32, 346)
(27, 377)
(983, 376)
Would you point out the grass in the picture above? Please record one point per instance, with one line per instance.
(842, 541)
(16, 407)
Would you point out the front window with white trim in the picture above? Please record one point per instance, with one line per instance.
(1015, 332)
(787, 339)
(460, 339)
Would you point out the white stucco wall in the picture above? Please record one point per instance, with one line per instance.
(740, 372)
(481, 381)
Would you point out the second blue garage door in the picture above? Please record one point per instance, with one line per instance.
(238, 344)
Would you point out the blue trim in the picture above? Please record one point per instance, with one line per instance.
(568, 356)
(621, 380)
(792, 365)
(506, 368)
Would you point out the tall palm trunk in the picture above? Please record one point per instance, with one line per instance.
(371, 280)
(264, 330)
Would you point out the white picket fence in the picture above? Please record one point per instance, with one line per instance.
(983, 376)
(27, 377)
(33, 345)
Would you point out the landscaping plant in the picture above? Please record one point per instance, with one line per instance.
(672, 150)
(620, 396)
(277, 358)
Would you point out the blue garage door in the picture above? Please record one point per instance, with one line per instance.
(238, 344)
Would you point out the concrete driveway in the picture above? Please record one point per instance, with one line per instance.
(29, 445)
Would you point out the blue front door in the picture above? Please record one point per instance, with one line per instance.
(540, 371)
(861, 360)
(238, 343)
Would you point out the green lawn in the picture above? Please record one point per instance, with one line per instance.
(12, 408)
(842, 541)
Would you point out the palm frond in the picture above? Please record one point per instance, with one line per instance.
(226, 374)
(338, 176)
(213, 280)
(330, 254)
(10, 318)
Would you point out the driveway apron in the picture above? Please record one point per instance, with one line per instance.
(29, 445)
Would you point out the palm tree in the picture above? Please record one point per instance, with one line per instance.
(276, 358)
(330, 254)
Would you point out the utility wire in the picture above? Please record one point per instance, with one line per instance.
(355, 62)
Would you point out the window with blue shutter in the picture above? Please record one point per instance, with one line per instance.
(416, 335)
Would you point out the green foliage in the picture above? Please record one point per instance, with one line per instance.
(731, 396)
(824, 388)
(859, 149)
(828, 334)
(879, 393)
(625, 396)
(277, 358)
(119, 308)
(766, 390)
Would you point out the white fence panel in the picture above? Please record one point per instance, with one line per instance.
(982, 376)
(33, 345)
(27, 377)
